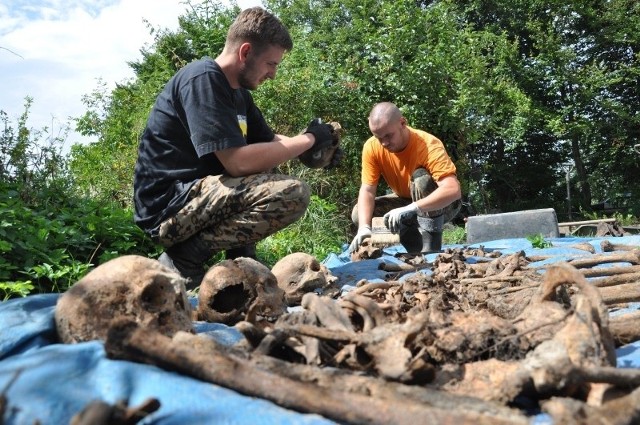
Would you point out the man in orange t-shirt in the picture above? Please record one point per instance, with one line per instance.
(415, 165)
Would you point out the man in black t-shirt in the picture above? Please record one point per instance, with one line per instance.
(202, 183)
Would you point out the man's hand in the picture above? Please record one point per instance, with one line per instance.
(393, 218)
(323, 133)
(364, 232)
(325, 152)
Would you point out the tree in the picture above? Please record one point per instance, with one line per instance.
(447, 77)
(578, 65)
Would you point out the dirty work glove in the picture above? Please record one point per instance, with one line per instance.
(335, 160)
(364, 232)
(322, 132)
(394, 218)
(325, 152)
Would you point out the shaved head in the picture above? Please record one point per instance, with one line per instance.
(389, 126)
(384, 113)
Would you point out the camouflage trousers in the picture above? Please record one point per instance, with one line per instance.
(422, 184)
(225, 212)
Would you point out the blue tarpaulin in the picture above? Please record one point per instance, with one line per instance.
(47, 382)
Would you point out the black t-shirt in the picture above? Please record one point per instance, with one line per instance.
(196, 114)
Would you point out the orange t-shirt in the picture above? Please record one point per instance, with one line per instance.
(423, 150)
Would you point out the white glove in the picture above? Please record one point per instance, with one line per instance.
(393, 218)
(364, 232)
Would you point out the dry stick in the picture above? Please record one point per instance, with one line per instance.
(126, 340)
(625, 328)
(623, 293)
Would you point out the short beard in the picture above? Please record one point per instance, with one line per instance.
(244, 76)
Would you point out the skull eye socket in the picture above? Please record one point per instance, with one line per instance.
(315, 266)
(229, 299)
(153, 295)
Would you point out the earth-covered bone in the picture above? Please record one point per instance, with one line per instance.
(300, 273)
(128, 287)
(233, 288)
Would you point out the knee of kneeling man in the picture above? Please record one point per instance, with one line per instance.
(301, 192)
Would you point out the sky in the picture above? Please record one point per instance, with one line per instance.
(57, 51)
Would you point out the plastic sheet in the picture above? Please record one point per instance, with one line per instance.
(49, 382)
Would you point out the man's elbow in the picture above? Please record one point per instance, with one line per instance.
(458, 193)
(235, 171)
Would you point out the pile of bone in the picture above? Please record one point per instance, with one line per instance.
(492, 334)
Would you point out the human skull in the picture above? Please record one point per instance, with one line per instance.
(130, 287)
(233, 288)
(300, 273)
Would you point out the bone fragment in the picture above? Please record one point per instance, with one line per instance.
(373, 286)
(626, 278)
(584, 247)
(625, 328)
(127, 341)
(609, 271)
(568, 411)
(607, 246)
(623, 293)
(621, 377)
(632, 257)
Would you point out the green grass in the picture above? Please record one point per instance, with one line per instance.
(319, 232)
(454, 235)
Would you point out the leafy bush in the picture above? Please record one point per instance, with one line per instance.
(621, 218)
(50, 238)
(49, 249)
(319, 232)
(454, 235)
(538, 241)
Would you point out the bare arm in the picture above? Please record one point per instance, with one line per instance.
(448, 191)
(261, 157)
(366, 203)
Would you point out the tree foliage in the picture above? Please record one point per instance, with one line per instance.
(516, 90)
(49, 236)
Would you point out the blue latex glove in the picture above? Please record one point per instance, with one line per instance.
(364, 232)
(393, 218)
